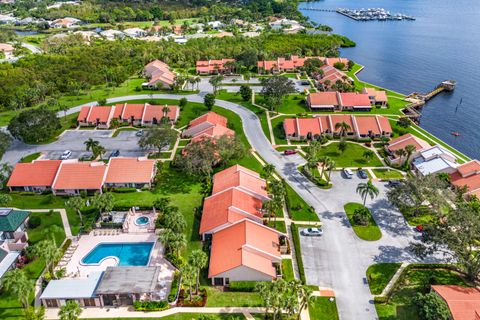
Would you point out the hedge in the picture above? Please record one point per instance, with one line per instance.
(243, 286)
(124, 190)
(150, 305)
(111, 225)
(172, 296)
(298, 251)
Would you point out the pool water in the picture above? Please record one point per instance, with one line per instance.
(141, 221)
(128, 254)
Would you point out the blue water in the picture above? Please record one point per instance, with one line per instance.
(407, 56)
(129, 254)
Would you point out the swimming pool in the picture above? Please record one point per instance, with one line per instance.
(128, 254)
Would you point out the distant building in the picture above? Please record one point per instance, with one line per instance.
(135, 32)
(214, 66)
(159, 75)
(434, 160)
(112, 35)
(377, 97)
(7, 49)
(216, 25)
(468, 175)
(338, 101)
(286, 25)
(64, 23)
(400, 143)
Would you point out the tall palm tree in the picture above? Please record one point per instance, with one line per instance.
(367, 189)
(268, 170)
(305, 295)
(343, 126)
(188, 277)
(323, 161)
(17, 284)
(409, 149)
(199, 260)
(331, 165)
(91, 144)
(368, 155)
(76, 203)
(32, 313)
(70, 311)
(400, 153)
(47, 249)
(103, 202)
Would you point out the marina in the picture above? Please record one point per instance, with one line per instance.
(370, 14)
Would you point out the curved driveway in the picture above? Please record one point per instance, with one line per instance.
(338, 259)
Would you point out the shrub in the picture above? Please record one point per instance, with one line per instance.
(34, 222)
(111, 225)
(243, 286)
(150, 305)
(124, 190)
(380, 299)
(431, 307)
(175, 286)
(360, 216)
(177, 261)
(298, 252)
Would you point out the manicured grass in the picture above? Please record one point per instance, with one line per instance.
(278, 131)
(281, 149)
(30, 157)
(161, 155)
(321, 308)
(183, 143)
(370, 232)
(120, 130)
(414, 279)
(297, 208)
(287, 269)
(45, 229)
(387, 174)
(278, 225)
(298, 251)
(424, 216)
(191, 316)
(292, 104)
(351, 157)
(379, 276)
(218, 298)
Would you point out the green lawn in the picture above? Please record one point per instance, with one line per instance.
(297, 208)
(379, 276)
(351, 157)
(278, 225)
(423, 217)
(277, 128)
(387, 174)
(29, 158)
(287, 269)
(370, 232)
(292, 104)
(413, 280)
(191, 316)
(321, 308)
(48, 219)
(218, 298)
(120, 130)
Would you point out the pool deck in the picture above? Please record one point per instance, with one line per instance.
(74, 267)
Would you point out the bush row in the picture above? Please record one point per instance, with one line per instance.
(150, 305)
(175, 286)
(298, 251)
(243, 286)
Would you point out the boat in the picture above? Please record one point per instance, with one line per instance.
(456, 134)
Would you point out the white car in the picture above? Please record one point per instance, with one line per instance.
(312, 232)
(66, 154)
(348, 173)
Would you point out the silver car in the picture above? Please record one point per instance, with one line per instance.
(312, 232)
(66, 155)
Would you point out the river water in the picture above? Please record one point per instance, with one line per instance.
(407, 56)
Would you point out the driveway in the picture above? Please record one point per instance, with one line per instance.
(126, 142)
(338, 259)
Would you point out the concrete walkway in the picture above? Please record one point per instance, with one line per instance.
(394, 279)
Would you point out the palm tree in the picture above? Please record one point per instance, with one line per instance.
(98, 151)
(331, 165)
(32, 313)
(305, 295)
(368, 155)
(47, 249)
(270, 207)
(268, 170)
(188, 277)
(400, 153)
(342, 146)
(173, 241)
(199, 260)
(175, 221)
(323, 161)
(103, 202)
(409, 149)
(343, 126)
(70, 311)
(17, 284)
(367, 189)
(76, 203)
(91, 144)
(4, 199)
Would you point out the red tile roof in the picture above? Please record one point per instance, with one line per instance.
(210, 117)
(332, 61)
(469, 168)
(468, 175)
(84, 111)
(156, 112)
(246, 244)
(334, 119)
(464, 303)
(323, 98)
(39, 173)
(130, 170)
(353, 99)
(238, 176)
(133, 110)
(379, 95)
(74, 175)
(407, 139)
(215, 131)
(204, 66)
(159, 71)
(228, 207)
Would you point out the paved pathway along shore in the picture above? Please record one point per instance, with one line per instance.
(339, 258)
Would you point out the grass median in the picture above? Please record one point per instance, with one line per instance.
(369, 231)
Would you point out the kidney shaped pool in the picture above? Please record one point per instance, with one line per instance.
(128, 254)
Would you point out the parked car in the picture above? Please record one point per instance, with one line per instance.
(66, 155)
(419, 228)
(139, 133)
(304, 83)
(289, 152)
(393, 183)
(362, 174)
(114, 153)
(348, 173)
(312, 232)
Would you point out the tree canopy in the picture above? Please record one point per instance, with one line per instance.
(35, 126)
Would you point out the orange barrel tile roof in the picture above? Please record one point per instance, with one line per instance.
(405, 140)
(464, 303)
(74, 175)
(102, 113)
(353, 99)
(156, 111)
(247, 244)
(323, 98)
(339, 118)
(238, 176)
(210, 117)
(213, 132)
(228, 207)
(133, 110)
(130, 170)
(38, 173)
(84, 111)
(469, 168)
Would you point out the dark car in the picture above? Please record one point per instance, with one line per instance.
(114, 153)
(289, 152)
(393, 183)
(139, 133)
(362, 174)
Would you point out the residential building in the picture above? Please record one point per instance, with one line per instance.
(64, 23)
(74, 177)
(244, 251)
(112, 35)
(214, 66)
(6, 48)
(134, 114)
(332, 61)
(159, 75)
(468, 175)
(210, 125)
(359, 127)
(286, 25)
(242, 178)
(37, 176)
(13, 237)
(463, 302)
(400, 143)
(69, 177)
(282, 64)
(338, 101)
(331, 75)
(377, 97)
(216, 25)
(135, 32)
(130, 173)
(434, 160)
